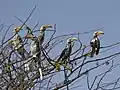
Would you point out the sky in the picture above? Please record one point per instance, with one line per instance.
(70, 16)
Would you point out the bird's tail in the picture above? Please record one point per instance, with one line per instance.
(92, 51)
(41, 74)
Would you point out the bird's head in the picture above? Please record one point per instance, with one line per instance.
(71, 40)
(17, 29)
(98, 33)
(44, 27)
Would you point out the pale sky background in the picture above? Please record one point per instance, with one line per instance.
(70, 16)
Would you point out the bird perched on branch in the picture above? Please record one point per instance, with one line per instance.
(35, 50)
(42, 33)
(34, 47)
(65, 55)
(95, 43)
(18, 43)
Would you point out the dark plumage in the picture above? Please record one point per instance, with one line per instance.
(65, 55)
(66, 52)
(35, 52)
(18, 43)
(95, 44)
(42, 33)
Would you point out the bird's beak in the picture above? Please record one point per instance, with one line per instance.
(74, 39)
(100, 33)
(17, 29)
(28, 36)
(48, 26)
(44, 27)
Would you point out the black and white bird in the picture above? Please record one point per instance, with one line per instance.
(17, 43)
(65, 55)
(95, 43)
(35, 49)
(42, 33)
(34, 46)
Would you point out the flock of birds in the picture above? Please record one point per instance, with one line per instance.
(36, 46)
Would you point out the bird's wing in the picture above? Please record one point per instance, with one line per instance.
(37, 52)
(20, 39)
(21, 51)
(41, 39)
(93, 46)
(20, 47)
(92, 42)
(17, 42)
(97, 46)
(62, 54)
(38, 48)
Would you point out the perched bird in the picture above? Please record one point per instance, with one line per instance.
(41, 40)
(18, 43)
(95, 43)
(35, 49)
(42, 33)
(65, 55)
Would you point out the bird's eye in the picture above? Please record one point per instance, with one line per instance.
(43, 27)
(95, 34)
(69, 42)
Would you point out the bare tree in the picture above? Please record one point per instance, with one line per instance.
(79, 72)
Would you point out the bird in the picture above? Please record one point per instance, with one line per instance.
(42, 33)
(41, 37)
(34, 46)
(35, 49)
(65, 55)
(95, 43)
(17, 42)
